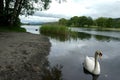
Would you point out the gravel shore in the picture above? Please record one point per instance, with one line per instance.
(23, 56)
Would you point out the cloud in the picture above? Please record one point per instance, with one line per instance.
(93, 8)
(50, 15)
(108, 9)
(37, 19)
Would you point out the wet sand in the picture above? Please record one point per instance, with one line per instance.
(22, 55)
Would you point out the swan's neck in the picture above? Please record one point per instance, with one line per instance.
(96, 62)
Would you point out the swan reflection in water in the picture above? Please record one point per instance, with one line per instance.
(94, 77)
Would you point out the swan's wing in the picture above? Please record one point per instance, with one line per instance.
(91, 58)
(89, 63)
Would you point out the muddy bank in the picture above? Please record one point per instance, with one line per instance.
(23, 56)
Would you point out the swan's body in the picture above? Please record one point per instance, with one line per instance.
(91, 64)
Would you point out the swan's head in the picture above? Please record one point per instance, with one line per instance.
(98, 53)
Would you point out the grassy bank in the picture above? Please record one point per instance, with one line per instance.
(11, 29)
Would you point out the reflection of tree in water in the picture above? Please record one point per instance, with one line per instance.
(105, 38)
(57, 37)
(72, 35)
(52, 73)
(82, 35)
(102, 38)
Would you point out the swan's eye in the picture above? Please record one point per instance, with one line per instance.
(100, 54)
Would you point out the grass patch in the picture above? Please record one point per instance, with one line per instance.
(55, 29)
(11, 29)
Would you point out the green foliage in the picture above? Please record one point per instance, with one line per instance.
(83, 21)
(54, 29)
(11, 29)
(101, 22)
(89, 21)
(18, 23)
(109, 22)
(63, 21)
(28, 6)
(11, 9)
(76, 21)
(116, 23)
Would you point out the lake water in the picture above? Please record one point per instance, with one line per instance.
(32, 28)
(70, 53)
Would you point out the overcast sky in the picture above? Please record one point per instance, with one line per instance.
(92, 8)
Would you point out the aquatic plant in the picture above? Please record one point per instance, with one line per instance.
(55, 29)
(58, 32)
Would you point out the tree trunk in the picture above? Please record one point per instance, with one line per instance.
(19, 10)
(1, 12)
(7, 2)
(14, 12)
(1, 7)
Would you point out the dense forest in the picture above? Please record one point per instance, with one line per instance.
(83, 21)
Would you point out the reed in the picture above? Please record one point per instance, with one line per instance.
(54, 29)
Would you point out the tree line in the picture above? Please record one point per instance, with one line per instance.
(83, 21)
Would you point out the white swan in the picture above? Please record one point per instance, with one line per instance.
(91, 64)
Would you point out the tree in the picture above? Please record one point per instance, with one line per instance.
(109, 22)
(1, 7)
(11, 9)
(89, 21)
(101, 22)
(74, 21)
(116, 23)
(63, 21)
(82, 21)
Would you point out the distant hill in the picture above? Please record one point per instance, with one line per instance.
(33, 23)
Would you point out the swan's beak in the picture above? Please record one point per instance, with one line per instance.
(100, 55)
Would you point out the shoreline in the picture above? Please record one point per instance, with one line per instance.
(23, 55)
(103, 29)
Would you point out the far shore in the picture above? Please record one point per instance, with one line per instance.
(104, 29)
